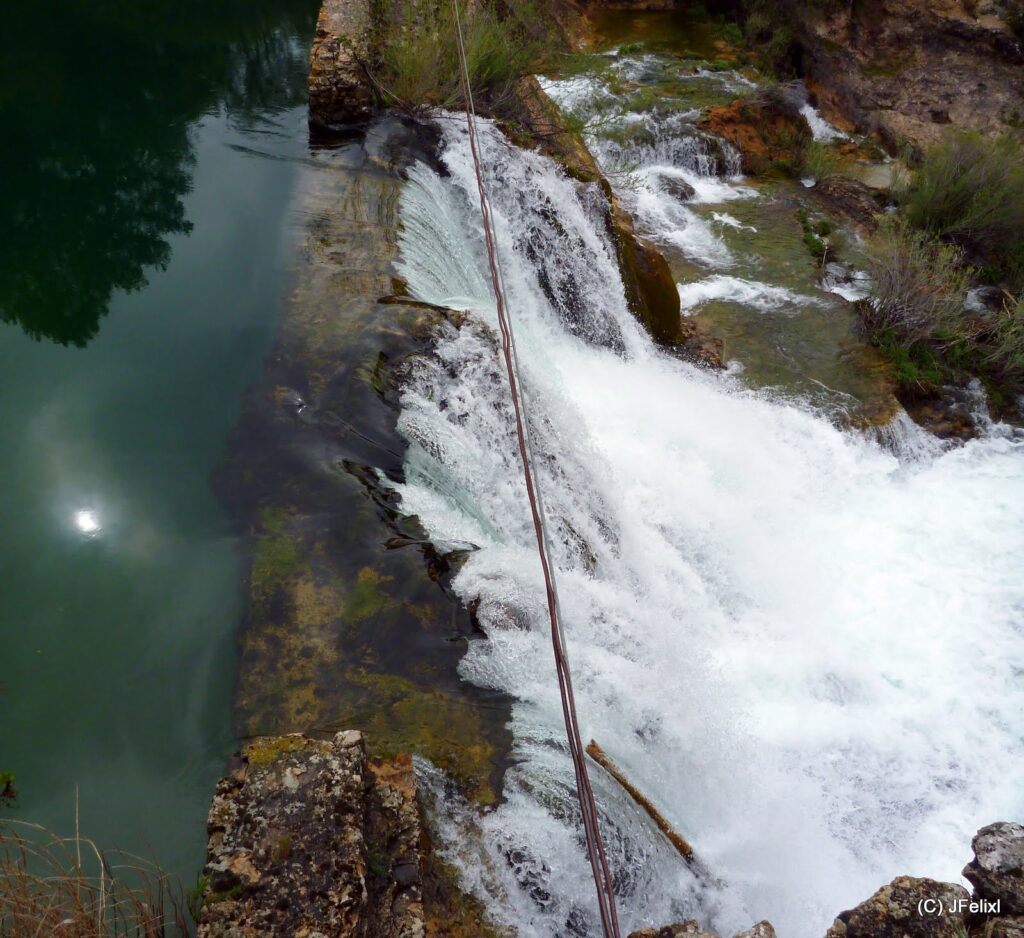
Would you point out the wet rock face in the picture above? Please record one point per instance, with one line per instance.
(908, 68)
(679, 189)
(997, 870)
(851, 199)
(310, 837)
(906, 908)
(339, 90)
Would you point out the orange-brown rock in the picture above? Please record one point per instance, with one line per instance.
(767, 133)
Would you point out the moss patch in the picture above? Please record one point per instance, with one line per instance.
(276, 556)
(268, 749)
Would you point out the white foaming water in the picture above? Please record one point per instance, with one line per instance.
(804, 650)
(821, 129)
(759, 296)
(668, 148)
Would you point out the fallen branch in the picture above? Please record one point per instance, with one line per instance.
(602, 759)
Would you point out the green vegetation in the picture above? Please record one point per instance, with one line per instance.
(7, 792)
(817, 234)
(919, 320)
(961, 222)
(767, 29)
(920, 285)
(1004, 352)
(276, 557)
(419, 54)
(819, 161)
(969, 190)
(68, 886)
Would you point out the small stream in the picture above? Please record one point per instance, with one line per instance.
(802, 642)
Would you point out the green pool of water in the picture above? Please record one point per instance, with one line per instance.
(149, 156)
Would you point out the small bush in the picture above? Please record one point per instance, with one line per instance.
(419, 65)
(920, 285)
(1005, 347)
(55, 886)
(819, 161)
(969, 190)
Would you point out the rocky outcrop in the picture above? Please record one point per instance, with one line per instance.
(849, 199)
(997, 870)
(692, 929)
(339, 88)
(907, 68)
(768, 131)
(906, 908)
(311, 837)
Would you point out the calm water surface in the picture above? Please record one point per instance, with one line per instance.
(146, 176)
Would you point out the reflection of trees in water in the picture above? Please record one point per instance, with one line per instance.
(95, 101)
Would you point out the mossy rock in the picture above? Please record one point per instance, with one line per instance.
(651, 289)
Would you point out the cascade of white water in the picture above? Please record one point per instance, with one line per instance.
(805, 649)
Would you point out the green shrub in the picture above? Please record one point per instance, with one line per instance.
(419, 62)
(1005, 346)
(819, 161)
(919, 286)
(969, 190)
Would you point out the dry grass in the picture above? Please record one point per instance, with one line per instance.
(920, 285)
(419, 67)
(53, 887)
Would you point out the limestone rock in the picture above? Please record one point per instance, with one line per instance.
(908, 68)
(760, 930)
(690, 929)
(310, 837)
(1008, 927)
(895, 911)
(339, 88)
(997, 870)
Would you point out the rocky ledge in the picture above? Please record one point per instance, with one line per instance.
(313, 838)
(909, 907)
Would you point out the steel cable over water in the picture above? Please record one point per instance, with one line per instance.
(585, 793)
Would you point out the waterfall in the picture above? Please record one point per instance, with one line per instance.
(803, 647)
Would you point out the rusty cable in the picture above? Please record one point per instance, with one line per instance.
(585, 793)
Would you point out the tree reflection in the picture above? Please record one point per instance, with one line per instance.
(96, 98)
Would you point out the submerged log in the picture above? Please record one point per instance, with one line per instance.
(677, 840)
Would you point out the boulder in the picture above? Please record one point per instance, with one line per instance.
(691, 929)
(760, 930)
(997, 870)
(651, 289)
(851, 199)
(679, 189)
(906, 908)
(906, 69)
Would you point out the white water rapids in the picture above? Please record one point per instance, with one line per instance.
(805, 650)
